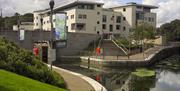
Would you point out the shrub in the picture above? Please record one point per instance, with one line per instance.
(21, 61)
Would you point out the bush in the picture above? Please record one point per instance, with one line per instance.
(22, 62)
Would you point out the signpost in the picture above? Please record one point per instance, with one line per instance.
(60, 36)
(21, 35)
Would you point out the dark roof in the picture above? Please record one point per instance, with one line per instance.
(134, 4)
(69, 5)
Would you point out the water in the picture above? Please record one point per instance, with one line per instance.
(166, 78)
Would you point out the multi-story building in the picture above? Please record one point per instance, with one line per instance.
(92, 18)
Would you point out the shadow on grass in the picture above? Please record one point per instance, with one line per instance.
(2, 88)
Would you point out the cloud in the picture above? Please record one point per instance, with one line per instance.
(11, 6)
(25, 6)
(168, 10)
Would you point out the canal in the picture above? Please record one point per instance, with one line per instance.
(162, 76)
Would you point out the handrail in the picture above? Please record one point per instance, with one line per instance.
(122, 47)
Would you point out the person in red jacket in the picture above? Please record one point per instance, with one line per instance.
(98, 50)
(36, 51)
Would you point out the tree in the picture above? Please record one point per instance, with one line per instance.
(143, 32)
(8, 22)
(171, 30)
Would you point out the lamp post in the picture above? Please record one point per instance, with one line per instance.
(51, 4)
(1, 20)
(41, 41)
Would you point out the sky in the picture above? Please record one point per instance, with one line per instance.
(168, 9)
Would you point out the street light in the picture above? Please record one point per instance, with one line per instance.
(51, 4)
(1, 20)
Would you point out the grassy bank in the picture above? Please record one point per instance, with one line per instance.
(13, 82)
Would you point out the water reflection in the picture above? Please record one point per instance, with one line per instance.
(167, 81)
(127, 82)
(167, 77)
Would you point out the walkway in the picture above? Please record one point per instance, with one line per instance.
(78, 82)
(74, 83)
(134, 57)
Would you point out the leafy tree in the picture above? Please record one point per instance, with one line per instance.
(143, 32)
(171, 30)
(8, 22)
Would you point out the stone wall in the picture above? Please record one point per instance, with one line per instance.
(29, 37)
(76, 42)
(100, 63)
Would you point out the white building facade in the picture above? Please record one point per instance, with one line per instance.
(92, 18)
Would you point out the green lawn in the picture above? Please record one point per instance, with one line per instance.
(13, 82)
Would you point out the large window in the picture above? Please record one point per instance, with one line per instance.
(78, 26)
(118, 19)
(104, 18)
(90, 6)
(82, 16)
(110, 28)
(86, 7)
(72, 16)
(81, 6)
(118, 27)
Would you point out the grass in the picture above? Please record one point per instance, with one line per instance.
(13, 82)
(144, 73)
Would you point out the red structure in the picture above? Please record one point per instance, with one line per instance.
(35, 51)
(98, 50)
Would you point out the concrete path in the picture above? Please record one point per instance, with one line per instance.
(79, 82)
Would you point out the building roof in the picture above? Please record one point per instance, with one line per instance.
(69, 5)
(134, 4)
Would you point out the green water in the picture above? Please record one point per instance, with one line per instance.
(166, 77)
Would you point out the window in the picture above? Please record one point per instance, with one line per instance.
(84, 16)
(81, 7)
(118, 19)
(80, 26)
(67, 17)
(124, 18)
(124, 28)
(149, 19)
(44, 22)
(118, 27)
(103, 26)
(67, 28)
(98, 5)
(124, 9)
(104, 18)
(152, 19)
(72, 16)
(97, 22)
(98, 13)
(80, 16)
(37, 17)
(47, 21)
(36, 24)
(90, 6)
(73, 26)
(110, 28)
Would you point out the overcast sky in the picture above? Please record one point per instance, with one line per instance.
(168, 9)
